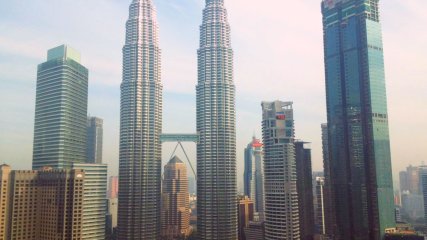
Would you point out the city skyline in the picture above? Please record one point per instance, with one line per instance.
(180, 91)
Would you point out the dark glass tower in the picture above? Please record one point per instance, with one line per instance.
(140, 127)
(216, 125)
(305, 190)
(61, 110)
(359, 146)
(94, 131)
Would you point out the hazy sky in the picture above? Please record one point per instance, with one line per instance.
(278, 55)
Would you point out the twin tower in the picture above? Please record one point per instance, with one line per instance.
(141, 127)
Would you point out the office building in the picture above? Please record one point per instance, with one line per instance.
(140, 126)
(359, 145)
(113, 187)
(94, 131)
(254, 231)
(280, 178)
(175, 201)
(253, 177)
(61, 110)
(111, 218)
(216, 126)
(94, 208)
(412, 206)
(410, 180)
(423, 182)
(320, 206)
(330, 223)
(44, 204)
(246, 214)
(402, 231)
(305, 190)
(19, 198)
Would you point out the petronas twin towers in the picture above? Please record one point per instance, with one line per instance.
(141, 127)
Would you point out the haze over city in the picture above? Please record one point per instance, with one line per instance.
(278, 55)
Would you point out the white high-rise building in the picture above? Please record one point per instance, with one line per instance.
(140, 127)
(216, 125)
(280, 179)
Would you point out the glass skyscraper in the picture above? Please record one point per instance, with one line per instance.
(61, 110)
(359, 146)
(140, 127)
(304, 189)
(280, 177)
(253, 177)
(94, 140)
(216, 125)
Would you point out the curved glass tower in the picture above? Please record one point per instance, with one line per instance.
(216, 151)
(140, 126)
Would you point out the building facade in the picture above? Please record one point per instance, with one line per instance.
(216, 125)
(45, 204)
(253, 177)
(359, 145)
(423, 182)
(94, 133)
(140, 126)
(246, 210)
(280, 178)
(410, 180)
(255, 231)
(94, 208)
(330, 216)
(175, 201)
(305, 190)
(111, 225)
(320, 206)
(113, 187)
(61, 110)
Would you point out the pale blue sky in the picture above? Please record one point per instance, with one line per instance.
(278, 55)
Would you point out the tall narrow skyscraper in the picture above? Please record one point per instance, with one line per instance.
(253, 177)
(305, 190)
(216, 125)
(140, 127)
(280, 178)
(359, 146)
(61, 110)
(94, 140)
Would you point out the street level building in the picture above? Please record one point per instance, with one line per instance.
(45, 204)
